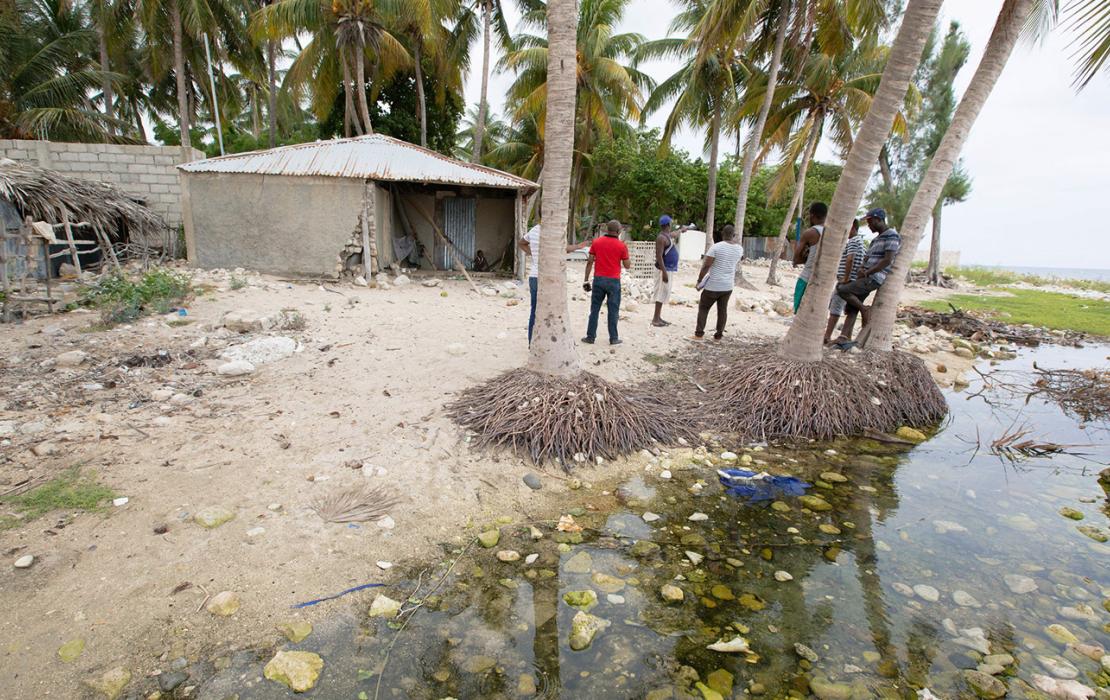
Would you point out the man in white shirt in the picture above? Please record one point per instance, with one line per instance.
(718, 271)
(530, 244)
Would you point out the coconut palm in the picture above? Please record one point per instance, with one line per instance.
(552, 349)
(346, 34)
(497, 132)
(421, 22)
(1089, 23)
(832, 89)
(803, 341)
(1004, 38)
(489, 15)
(701, 89)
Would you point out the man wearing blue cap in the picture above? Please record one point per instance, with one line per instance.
(876, 266)
(666, 267)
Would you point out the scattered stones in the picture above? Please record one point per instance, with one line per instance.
(736, 645)
(615, 599)
(580, 563)
(833, 477)
(607, 583)
(650, 517)
(827, 690)
(722, 592)
(1021, 522)
(783, 576)
(296, 630)
(911, 434)
(508, 555)
(672, 593)
(296, 669)
(224, 604)
(694, 557)
(489, 538)
(169, 681)
(984, 685)
(531, 559)
(698, 517)
(1071, 513)
(973, 638)
(384, 606)
(814, 503)
(213, 516)
(943, 527)
(728, 457)
(1094, 532)
(261, 351)
(532, 481)
(965, 599)
(1058, 668)
(580, 599)
(44, 449)
(1060, 634)
(708, 693)
(1019, 584)
(69, 651)
(73, 358)
(526, 685)
(111, 683)
(456, 349)
(665, 474)
(926, 592)
(721, 681)
(829, 529)
(643, 548)
(806, 653)
(1080, 612)
(235, 368)
(478, 663)
(25, 561)
(1062, 689)
(583, 628)
(256, 532)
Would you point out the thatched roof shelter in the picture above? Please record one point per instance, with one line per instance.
(44, 195)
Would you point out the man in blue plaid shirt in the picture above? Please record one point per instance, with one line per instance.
(876, 266)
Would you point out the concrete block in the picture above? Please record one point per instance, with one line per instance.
(163, 159)
(139, 187)
(165, 179)
(111, 178)
(72, 147)
(97, 168)
(83, 157)
(145, 158)
(14, 153)
(96, 147)
(159, 189)
(120, 157)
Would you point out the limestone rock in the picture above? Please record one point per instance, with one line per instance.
(296, 669)
(583, 628)
(25, 561)
(489, 538)
(827, 690)
(580, 563)
(296, 630)
(384, 606)
(736, 645)
(235, 368)
(580, 599)
(111, 683)
(672, 593)
(1019, 584)
(911, 434)
(1062, 689)
(73, 358)
(213, 516)
(984, 685)
(224, 604)
(926, 592)
(508, 555)
(814, 503)
(69, 651)
(261, 351)
(607, 583)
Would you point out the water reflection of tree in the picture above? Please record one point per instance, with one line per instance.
(545, 635)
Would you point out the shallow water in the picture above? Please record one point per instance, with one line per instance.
(947, 514)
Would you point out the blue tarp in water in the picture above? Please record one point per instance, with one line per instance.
(760, 486)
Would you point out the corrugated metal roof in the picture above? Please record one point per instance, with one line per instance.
(374, 157)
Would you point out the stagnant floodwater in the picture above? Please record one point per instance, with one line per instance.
(930, 559)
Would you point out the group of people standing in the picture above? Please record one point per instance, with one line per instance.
(861, 271)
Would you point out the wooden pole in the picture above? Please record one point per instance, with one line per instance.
(6, 310)
(69, 237)
(107, 243)
(450, 246)
(49, 292)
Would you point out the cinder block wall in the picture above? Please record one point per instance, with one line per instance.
(147, 172)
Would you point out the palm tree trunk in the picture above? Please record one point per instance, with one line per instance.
(552, 350)
(421, 106)
(349, 116)
(138, 115)
(933, 270)
(271, 76)
(483, 107)
(803, 341)
(105, 81)
(761, 121)
(884, 168)
(1011, 18)
(797, 200)
(714, 147)
(256, 117)
(179, 74)
(360, 76)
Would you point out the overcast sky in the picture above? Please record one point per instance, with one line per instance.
(1037, 154)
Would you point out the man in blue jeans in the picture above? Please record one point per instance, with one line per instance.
(530, 244)
(607, 255)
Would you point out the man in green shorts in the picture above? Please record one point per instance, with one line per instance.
(805, 252)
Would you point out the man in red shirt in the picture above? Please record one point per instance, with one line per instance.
(607, 254)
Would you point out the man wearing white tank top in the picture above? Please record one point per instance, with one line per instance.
(805, 252)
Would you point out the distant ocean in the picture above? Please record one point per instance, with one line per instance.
(1064, 273)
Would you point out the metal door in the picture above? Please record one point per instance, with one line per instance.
(460, 215)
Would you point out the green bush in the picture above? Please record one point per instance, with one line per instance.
(122, 299)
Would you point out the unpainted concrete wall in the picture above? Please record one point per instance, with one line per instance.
(148, 173)
(275, 224)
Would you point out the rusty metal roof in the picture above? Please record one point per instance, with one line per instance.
(374, 157)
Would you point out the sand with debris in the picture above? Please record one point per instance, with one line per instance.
(359, 401)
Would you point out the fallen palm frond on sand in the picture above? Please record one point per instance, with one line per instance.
(569, 420)
(354, 505)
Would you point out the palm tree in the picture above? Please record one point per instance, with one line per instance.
(1007, 29)
(1088, 21)
(701, 90)
(803, 340)
(496, 134)
(552, 349)
(836, 89)
(491, 15)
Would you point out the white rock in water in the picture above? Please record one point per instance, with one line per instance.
(235, 368)
(946, 526)
(736, 645)
(695, 558)
(1058, 667)
(25, 561)
(926, 592)
(261, 350)
(1062, 689)
(698, 517)
(1019, 584)
(508, 555)
(650, 517)
(783, 576)
(615, 599)
(386, 522)
(965, 599)
(531, 558)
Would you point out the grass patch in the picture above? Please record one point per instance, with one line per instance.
(122, 299)
(654, 359)
(179, 322)
(1047, 309)
(70, 490)
(989, 277)
(236, 282)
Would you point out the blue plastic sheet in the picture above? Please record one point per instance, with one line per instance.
(756, 487)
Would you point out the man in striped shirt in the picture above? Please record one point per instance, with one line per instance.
(851, 260)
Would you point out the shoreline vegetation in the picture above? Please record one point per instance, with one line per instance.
(1049, 304)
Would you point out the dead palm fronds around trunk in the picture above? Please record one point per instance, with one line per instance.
(569, 420)
(354, 505)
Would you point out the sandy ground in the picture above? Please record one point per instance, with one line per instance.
(361, 401)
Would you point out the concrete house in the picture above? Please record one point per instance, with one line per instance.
(317, 209)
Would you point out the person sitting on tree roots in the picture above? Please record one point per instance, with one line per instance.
(851, 262)
(876, 266)
(805, 253)
(530, 244)
(715, 280)
(608, 253)
(666, 267)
